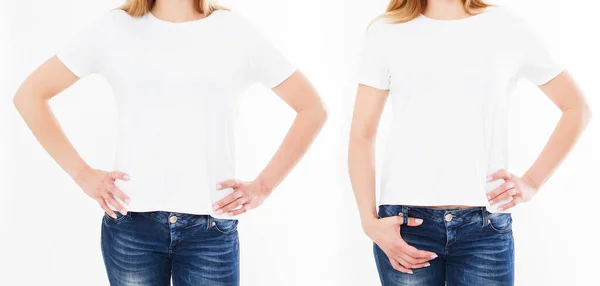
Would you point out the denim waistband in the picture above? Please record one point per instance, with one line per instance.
(184, 219)
(441, 215)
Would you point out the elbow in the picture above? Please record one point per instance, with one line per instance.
(323, 114)
(18, 101)
(320, 114)
(586, 114)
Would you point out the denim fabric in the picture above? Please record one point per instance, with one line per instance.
(150, 248)
(474, 247)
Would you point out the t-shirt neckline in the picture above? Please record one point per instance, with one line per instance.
(175, 24)
(461, 20)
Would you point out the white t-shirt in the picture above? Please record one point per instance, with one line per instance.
(450, 83)
(176, 87)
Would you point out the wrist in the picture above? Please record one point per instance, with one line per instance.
(367, 220)
(264, 186)
(80, 174)
(530, 182)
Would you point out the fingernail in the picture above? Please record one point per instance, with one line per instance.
(500, 209)
(489, 197)
(510, 185)
(113, 216)
(491, 202)
(123, 212)
(127, 201)
(410, 272)
(434, 256)
(219, 186)
(219, 211)
(419, 220)
(489, 178)
(215, 207)
(229, 213)
(126, 177)
(427, 265)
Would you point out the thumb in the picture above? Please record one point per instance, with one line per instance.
(399, 220)
(116, 175)
(233, 183)
(414, 221)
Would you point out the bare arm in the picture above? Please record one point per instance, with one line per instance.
(565, 94)
(32, 102)
(384, 232)
(299, 94)
(361, 152)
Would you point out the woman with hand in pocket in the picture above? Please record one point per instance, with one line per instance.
(449, 68)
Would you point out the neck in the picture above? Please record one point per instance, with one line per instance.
(445, 9)
(176, 10)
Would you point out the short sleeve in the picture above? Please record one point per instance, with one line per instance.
(81, 54)
(268, 65)
(372, 69)
(538, 64)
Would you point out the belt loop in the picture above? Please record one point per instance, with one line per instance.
(405, 215)
(209, 221)
(484, 216)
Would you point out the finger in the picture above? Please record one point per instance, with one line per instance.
(116, 175)
(227, 200)
(501, 189)
(507, 194)
(111, 201)
(399, 267)
(410, 263)
(414, 221)
(118, 194)
(239, 211)
(233, 183)
(234, 205)
(106, 209)
(510, 204)
(418, 254)
(500, 174)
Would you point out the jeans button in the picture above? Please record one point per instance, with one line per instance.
(173, 219)
(448, 217)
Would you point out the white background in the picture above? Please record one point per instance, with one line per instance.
(308, 232)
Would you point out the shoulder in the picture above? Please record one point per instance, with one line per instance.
(234, 25)
(108, 19)
(504, 16)
(231, 19)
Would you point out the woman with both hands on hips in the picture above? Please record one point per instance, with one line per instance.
(445, 202)
(177, 69)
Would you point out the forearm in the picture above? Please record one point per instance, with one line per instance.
(569, 128)
(361, 167)
(295, 144)
(43, 124)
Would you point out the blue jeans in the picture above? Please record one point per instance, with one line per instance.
(474, 247)
(150, 248)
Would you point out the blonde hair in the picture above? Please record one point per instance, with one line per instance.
(402, 11)
(138, 8)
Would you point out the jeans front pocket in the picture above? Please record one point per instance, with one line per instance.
(224, 226)
(499, 222)
(120, 217)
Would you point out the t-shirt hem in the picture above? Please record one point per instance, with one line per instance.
(168, 209)
(418, 203)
